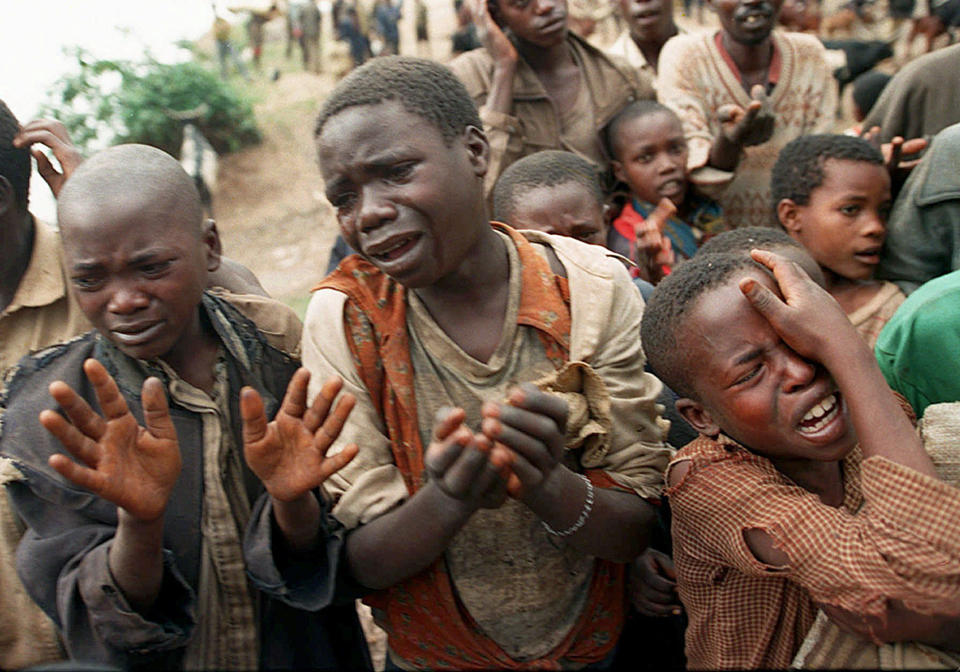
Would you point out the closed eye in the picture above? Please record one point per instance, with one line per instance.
(86, 283)
(156, 268)
(400, 172)
(750, 375)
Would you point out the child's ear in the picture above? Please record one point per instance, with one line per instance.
(213, 249)
(699, 417)
(788, 214)
(478, 148)
(618, 170)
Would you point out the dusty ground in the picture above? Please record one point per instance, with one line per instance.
(269, 205)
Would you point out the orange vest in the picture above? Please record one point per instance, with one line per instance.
(426, 624)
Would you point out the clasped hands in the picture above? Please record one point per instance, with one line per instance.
(518, 448)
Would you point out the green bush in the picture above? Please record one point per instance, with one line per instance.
(110, 102)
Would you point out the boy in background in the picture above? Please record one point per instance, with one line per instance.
(666, 218)
(832, 194)
(742, 93)
(134, 549)
(808, 486)
(520, 523)
(553, 192)
(540, 86)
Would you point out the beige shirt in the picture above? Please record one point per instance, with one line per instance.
(606, 309)
(533, 124)
(42, 313)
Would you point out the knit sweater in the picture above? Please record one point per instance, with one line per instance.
(695, 81)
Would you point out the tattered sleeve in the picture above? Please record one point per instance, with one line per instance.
(903, 542)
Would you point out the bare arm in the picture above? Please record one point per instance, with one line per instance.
(530, 424)
(465, 474)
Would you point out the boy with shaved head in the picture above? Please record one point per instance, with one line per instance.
(140, 547)
(808, 486)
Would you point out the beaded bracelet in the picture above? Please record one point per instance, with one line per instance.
(584, 514)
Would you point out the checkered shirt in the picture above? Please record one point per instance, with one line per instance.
(894, 537)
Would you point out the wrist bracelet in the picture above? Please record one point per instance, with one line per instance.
(584, 514)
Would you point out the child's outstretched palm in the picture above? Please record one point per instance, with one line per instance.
(131, 466)
(289, 454)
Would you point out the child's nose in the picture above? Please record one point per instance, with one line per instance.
(373, 210)
(126, 299)
(797, 372)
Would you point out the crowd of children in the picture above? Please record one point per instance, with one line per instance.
(593, 381)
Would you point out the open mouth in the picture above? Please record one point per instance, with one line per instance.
(671, 188)
(754, 20)
(822, 413)
(871, 256)
(136, 334)
(396, 248)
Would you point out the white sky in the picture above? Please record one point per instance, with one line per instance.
(34, 32)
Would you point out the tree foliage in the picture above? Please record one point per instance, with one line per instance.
(112, 101)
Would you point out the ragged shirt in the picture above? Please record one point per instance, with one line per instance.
(894, 537)
(210, 535)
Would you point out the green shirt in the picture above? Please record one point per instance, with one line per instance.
(919, 348)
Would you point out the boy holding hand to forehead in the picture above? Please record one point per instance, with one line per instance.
(808, 486)
(139, 548)
(489, 515)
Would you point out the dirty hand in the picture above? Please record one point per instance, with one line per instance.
(654, 250)
(901, 625)
(750, 126)
(653, 585)
(131, 466)
(289, 454)
(491, 35)
(464, 465)
(531, 424)
(805, 314)
(52, 134)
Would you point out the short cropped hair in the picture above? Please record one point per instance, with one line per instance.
(543, 169)
(148, 176)
(423, 87)
(799, 167)
(14, 162)
(669, 306)
(635, 110)
(742, 240)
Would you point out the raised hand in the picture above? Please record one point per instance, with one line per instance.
(467, 467)
(807, 318)
(653, 585)
(52, 134)
(289, 454)
(532, 425)
(491, 35)
(131, 466)
(654, 250)
(750, 126)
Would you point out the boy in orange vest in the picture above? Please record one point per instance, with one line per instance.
(489, 516)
